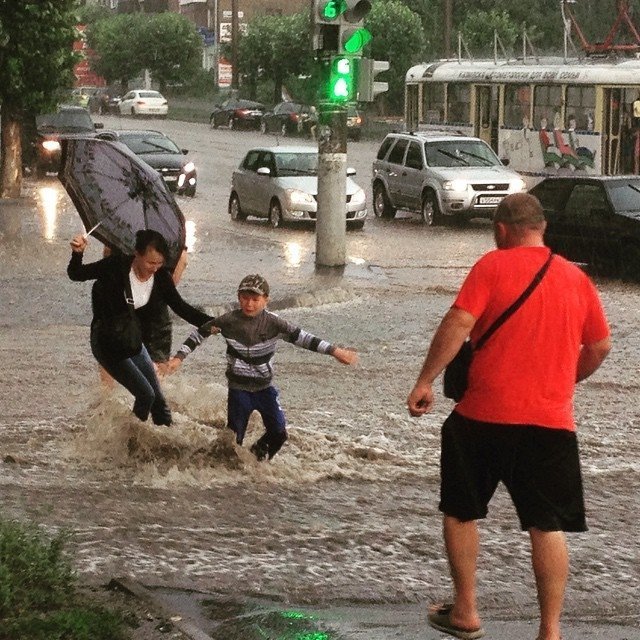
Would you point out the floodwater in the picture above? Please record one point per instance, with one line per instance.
(346, 515)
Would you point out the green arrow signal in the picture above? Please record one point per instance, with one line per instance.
(356, 40)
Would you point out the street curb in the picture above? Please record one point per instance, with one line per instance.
(139, 591)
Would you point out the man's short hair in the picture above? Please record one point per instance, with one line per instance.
(520, 209)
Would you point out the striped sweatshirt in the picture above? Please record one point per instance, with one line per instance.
(251, 345)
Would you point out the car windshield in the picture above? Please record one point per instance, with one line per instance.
(65, 121)
(625, 196)
(141, 144)
(460, 153)
(297, 164)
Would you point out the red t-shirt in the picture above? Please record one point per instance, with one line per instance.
(526, 372)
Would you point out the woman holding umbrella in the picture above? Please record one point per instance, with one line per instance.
(126, 288)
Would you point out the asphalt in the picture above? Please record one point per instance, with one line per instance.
(402, 622)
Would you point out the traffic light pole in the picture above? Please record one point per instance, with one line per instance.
(331, 227)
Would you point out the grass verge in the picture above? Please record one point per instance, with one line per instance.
(39, 599)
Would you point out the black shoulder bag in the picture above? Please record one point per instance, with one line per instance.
(121, 335)
(456, 373)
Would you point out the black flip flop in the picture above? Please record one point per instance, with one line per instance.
(440, 619)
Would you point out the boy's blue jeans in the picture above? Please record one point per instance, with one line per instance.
(241, 404)
(138, 376)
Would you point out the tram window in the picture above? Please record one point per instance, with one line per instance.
(458, 103)
(581, 104)
(433, 103)
(517, 100)
(547, 101)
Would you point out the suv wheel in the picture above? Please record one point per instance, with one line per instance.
(381, 205)
(430, 210)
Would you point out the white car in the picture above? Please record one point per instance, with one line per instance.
(281, 184)
(144, 102)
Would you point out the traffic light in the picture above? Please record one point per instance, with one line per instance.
(368, 88)
(338, 26)
(341, 86)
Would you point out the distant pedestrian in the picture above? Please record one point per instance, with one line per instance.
(251, 333)
(143, 282)
(515, 421)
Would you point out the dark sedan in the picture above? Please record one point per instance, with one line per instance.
(594, 220)
(161, 153)
(50, 128)
(288, 118)
(237, 114)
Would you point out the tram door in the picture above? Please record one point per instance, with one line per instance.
(486, 116)
(611, 152)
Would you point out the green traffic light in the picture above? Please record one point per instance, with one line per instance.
(341, 81)
(332, 9)
(357, 40)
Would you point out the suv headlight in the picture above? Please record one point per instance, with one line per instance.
(297, 197)
(518, 185)
(189, 167)
(51, 145)
(455, 185)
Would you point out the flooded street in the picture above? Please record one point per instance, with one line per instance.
(347, 513)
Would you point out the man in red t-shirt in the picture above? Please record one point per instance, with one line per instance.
(515, 421)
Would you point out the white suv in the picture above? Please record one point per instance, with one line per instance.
(440, 176)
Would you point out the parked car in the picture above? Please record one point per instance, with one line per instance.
(281, 184)
(237, 114)
(441, 177)
(288, 118)
(68, 120)
(161, 153)
(104, 100)
(144, 102)
(594, 220)
(355, 121)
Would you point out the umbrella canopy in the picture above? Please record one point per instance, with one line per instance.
(117, 194)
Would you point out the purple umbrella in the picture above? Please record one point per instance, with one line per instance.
(117, 194)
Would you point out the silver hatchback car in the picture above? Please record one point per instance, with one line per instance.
(281, 184)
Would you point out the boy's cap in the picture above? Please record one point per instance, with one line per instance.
(254, 283)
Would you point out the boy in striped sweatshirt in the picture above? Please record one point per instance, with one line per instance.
(251, 333)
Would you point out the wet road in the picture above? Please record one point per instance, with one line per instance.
(348, 512)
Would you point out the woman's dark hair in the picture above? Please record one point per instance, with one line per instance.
(149, 238)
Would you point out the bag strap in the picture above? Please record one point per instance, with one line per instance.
(128, 295)
(507, 313)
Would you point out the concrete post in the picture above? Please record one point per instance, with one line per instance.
(331, 225)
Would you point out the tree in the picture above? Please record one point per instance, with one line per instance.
(478, 28)
(275, 47)
(397, 37)
(115, 42)
(170, 48)
(36, 62)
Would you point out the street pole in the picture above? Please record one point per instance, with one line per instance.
(448, 18)
(331, 235)
(235, 76)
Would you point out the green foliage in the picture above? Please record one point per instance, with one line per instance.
(398, 38)
(38, 597)
(165, 43)
(478, 28)
(36, 59)
(169, 47)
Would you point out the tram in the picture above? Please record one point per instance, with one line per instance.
(544, 115)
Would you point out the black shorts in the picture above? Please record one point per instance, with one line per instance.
(540, 468)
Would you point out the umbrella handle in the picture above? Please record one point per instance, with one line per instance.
(88, 233)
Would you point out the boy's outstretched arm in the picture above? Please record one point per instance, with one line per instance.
(345, 355)
(195, 339)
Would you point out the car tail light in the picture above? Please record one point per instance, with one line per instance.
(242, 112)
(139, 101)
(358, 120)
(294, 116)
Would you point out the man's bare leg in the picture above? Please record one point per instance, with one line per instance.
(462, 543)
(550, 560)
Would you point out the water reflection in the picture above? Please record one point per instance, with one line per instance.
(293, 254)
(49, 199)
(190, 240)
